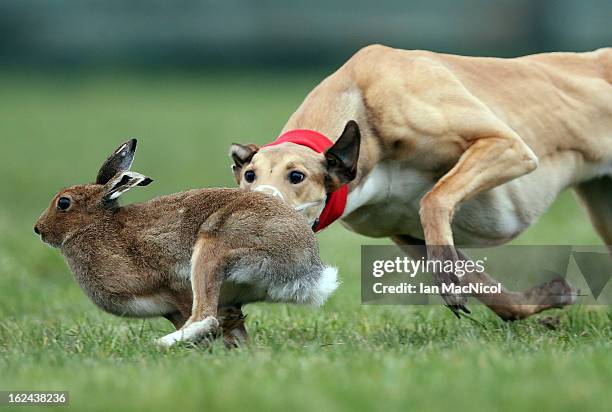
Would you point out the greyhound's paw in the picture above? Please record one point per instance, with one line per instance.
(456, 304)
(193, 332)
(442, 254)
(556, 293)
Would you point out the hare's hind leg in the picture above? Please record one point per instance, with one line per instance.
(208, 263)
(232, 324)
(177, 319)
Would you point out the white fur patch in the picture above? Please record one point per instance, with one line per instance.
(250, 274)
(241, 275)
(375, 188)
(328, 283)
(192, 333)
(148, 306)
(303, 292)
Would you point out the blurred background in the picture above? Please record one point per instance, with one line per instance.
(201, 34)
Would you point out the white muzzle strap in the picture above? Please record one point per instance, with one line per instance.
(272, 191)
(305, 206)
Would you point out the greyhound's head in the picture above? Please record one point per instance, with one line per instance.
(302, 167)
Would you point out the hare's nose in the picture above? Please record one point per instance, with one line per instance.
(36, 230)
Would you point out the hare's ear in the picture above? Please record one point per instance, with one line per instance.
(123, 182)
(119, 161)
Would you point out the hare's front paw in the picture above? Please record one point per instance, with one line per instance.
(192, 332)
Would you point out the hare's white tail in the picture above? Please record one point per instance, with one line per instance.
(327, 284)
(312, 288)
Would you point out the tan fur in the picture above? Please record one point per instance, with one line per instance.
(274, 169)
(500, 137)
(142, 258)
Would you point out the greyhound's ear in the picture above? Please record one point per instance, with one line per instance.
(119, 161)
(123, 182)
(341, 158)
(241, 155)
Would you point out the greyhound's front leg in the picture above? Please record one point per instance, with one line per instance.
(487, 163)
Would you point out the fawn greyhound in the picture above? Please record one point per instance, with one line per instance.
(437, 151)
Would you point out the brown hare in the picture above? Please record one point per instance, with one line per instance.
(193, 257)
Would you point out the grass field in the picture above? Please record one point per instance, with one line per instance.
(55, 131)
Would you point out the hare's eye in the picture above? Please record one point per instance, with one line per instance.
(63, 203)
(296, 177)
(249, 176)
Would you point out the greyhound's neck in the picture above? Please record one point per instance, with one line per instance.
(330, 119)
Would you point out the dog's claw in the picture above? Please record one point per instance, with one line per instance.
(457, 309)
(456, 303)
(454, 310)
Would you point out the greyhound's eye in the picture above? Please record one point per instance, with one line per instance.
(296, 177)
(249, 176)
(63, 203)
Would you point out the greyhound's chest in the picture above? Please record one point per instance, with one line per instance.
(387, 203)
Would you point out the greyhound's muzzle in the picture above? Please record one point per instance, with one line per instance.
(270, 190)
(301, 208)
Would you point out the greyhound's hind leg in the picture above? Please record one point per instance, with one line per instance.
(507, 305)
(596, 196)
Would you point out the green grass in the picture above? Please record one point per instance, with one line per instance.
(55, 131)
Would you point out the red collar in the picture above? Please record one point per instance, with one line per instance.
(336, 200)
